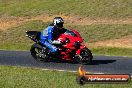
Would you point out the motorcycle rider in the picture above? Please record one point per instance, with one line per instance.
(53, 30)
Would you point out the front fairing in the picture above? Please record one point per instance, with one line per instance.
(74, 38)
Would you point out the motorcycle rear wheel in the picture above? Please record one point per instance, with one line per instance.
(39, 53)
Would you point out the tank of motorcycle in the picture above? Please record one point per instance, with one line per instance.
(72, 35)
(78, 35)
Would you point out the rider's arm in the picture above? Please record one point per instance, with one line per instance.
(47, 34)
(50, 34)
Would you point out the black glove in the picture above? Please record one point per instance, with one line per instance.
(67, 40)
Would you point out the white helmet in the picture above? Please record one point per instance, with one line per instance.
(58, 21)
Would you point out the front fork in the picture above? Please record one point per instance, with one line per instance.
(79, 50)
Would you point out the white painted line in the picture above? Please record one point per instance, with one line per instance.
(59, 70)
(73, 71)
(69, 71)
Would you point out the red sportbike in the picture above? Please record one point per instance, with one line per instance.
(70, 49)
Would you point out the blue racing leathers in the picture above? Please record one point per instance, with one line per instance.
(47, 37)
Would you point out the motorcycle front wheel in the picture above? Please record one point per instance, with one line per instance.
(85, 57)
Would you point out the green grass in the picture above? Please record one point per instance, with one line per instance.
(19, 77)
(93, 33)
(84, 8)
(15, 39)
(113, 51)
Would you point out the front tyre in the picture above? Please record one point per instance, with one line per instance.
(39, 53)
(85, 56)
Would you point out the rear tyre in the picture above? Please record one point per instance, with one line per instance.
(85, 57)
(39, 53)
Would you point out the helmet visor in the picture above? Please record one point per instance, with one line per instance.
(60, 24)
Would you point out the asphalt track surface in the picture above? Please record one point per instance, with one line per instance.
(101, 64)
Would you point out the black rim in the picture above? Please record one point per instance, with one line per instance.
(39, 54)
(85, 57)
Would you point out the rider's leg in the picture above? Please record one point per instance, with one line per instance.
(44, 41)
(50, 46)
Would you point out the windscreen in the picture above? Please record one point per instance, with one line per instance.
(68, 32)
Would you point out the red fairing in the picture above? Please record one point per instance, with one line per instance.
(81, 47)
(79, 37)
(74, 38)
